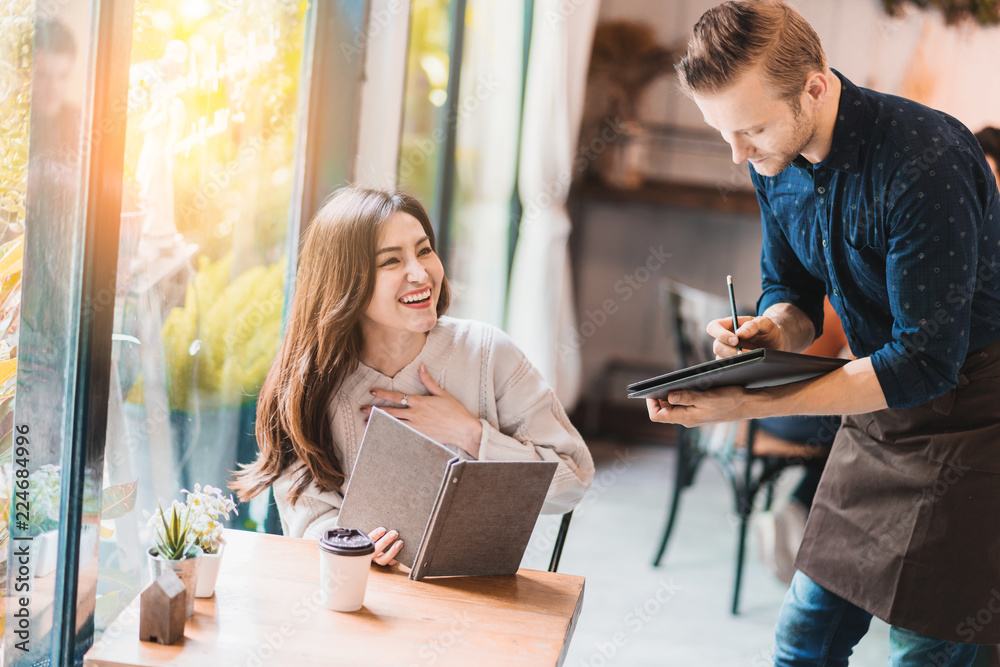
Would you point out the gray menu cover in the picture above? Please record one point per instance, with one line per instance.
(462, 517)
(485, 518)
(396, 482)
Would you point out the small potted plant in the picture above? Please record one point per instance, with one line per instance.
(174, 548)
(208, 508)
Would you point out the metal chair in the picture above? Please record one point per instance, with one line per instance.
(560, 539)
(748, 469)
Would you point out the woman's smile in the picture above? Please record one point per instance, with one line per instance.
(420, 298)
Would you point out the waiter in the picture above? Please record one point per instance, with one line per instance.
(890, 209)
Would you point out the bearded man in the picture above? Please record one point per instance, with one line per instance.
(889, 208)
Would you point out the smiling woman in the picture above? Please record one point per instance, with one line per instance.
(409, 278)
(367, 328)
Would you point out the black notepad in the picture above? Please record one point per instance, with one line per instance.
(757, 368)
(455, 515)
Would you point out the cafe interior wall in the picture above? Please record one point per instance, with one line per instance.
(916, 55)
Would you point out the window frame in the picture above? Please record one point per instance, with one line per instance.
(324, 159)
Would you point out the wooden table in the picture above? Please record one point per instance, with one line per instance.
(266, 611)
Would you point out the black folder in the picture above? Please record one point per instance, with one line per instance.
(753, 369)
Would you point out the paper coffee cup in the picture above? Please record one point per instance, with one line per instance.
(345, 557)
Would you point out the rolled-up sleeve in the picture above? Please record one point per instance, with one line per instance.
(783, 277)
(931, 264)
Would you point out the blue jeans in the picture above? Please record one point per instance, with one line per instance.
(819, 629)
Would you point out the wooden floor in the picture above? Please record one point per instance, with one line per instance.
(637, 616)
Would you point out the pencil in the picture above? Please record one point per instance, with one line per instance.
(732, 306)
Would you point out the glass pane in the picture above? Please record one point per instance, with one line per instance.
(488, 120)
(213, 89)
(42, 94)
(424, 99)
(16, 33)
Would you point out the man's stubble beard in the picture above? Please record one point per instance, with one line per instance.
(802, 135)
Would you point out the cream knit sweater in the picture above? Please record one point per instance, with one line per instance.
(482, 368)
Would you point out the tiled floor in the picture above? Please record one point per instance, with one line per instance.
(635, 615)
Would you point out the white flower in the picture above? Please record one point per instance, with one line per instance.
(208, 509)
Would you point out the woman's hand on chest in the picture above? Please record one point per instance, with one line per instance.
(439, 416)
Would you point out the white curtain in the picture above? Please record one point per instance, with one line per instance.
(540, 316)
(489, 112)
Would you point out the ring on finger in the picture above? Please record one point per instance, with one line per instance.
(403, 402)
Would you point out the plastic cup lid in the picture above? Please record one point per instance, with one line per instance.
(346, 542)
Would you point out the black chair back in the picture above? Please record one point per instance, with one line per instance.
(688, 312)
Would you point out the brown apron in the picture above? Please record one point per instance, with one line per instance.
(906, 520)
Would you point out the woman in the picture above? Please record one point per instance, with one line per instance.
(366, 329)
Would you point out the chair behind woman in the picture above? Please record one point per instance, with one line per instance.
(747, 469)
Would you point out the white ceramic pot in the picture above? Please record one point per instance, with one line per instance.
(185, 569)
(209, 572)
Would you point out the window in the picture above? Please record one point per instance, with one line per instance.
(207, 195)
(425, 101)
(487, 115)
(41, 98)
(16, 33)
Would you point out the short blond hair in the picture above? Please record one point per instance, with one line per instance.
(734, 37)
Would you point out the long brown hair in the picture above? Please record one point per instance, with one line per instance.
(732, 38)
(323, 342)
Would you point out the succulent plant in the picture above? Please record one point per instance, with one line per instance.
(174, 534)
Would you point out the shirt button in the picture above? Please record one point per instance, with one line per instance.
(824, 243)
(835, 291)
(821, 189)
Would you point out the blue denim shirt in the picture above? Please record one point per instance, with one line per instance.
(900, 226)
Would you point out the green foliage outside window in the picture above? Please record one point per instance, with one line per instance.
(16, 33)
(222, 342)
(232, 187)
